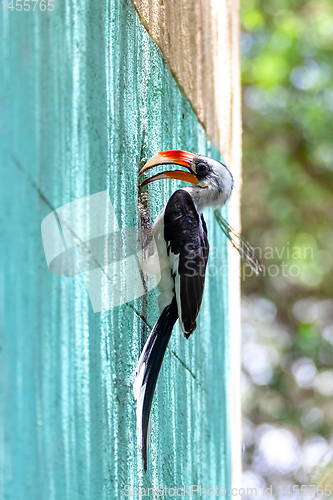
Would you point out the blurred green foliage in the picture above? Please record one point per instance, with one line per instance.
(287, 208)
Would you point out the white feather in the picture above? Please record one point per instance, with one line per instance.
(179, 304)
(174, 265)
(139, 390)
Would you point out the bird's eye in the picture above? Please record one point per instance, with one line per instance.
(201, 169)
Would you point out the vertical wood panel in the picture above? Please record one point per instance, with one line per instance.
(86, 94)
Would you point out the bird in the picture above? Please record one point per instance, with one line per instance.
(180, 235)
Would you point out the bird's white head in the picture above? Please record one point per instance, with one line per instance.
(211, 180)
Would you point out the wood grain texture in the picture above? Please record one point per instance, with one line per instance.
(85, 97)
(200, 41)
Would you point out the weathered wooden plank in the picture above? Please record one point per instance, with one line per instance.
(86, 95)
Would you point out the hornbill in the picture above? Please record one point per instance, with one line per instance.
(180, 235)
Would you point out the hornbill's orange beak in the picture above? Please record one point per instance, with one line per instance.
(177, 157)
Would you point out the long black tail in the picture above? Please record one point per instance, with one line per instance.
(147, 371)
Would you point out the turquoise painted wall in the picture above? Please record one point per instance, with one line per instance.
(85, 96)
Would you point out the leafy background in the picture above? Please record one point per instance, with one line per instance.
(288, 214)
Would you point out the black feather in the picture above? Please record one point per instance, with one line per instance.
(186, 235)
(153, 353)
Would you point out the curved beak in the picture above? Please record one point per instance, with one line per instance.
(177, 157)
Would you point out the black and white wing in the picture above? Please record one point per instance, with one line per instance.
(185, 233)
